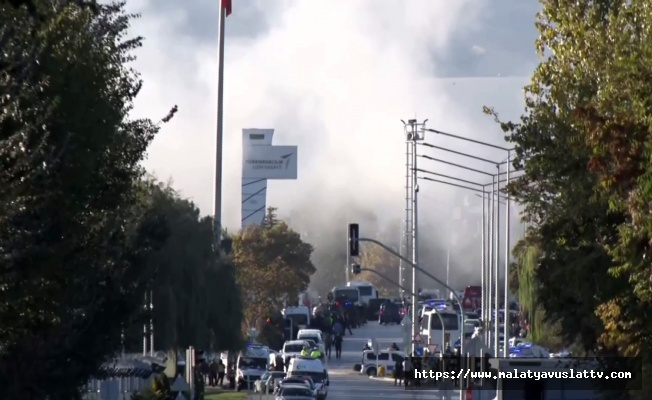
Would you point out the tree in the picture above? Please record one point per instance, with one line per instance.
(585, 137)
(376, 258)
(197, 301)
(74, 229)
(273, 267)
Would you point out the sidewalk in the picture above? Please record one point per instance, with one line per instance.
(382, 378)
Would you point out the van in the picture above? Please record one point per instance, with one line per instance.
(314, 335)
(312, 368)
(300, 316)
(386, 358)
(252, 363)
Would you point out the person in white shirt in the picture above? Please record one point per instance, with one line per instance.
(407, 371)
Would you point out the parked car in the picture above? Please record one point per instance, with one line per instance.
(390, 312)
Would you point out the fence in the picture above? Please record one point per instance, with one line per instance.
(114, 388)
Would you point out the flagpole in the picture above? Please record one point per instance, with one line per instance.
(217, 194)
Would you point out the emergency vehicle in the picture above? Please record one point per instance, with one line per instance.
(312, 368)
(300, 316)
(252, 363)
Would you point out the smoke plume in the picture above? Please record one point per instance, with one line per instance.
(336, 78)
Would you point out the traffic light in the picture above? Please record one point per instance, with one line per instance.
(268, 320)
(354, 235)
(356, 269)
(329, 296)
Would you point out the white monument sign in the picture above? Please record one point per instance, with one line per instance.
(270, 162)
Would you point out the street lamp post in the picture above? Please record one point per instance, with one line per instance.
(507, 237)
(493, 264)
(507, 253)
(414, 133)
(490, 271)
(496, 261)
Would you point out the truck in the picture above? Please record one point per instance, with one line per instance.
(252, 363)
(300, 316)
(472, 298)
(366, 290)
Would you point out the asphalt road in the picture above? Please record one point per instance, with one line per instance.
(347, 384)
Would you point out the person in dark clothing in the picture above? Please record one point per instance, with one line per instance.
(338, 346)
(212, 375)
(407, 371)
(347, 325)
(328, 344)
(417, 367)
(398, 373)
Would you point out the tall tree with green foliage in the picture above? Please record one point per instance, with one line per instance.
(197, 301)
(585, 137)
(75, 232)
(273, 267)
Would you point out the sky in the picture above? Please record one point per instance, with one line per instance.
(336, 78)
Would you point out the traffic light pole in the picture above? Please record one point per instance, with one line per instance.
(353, 244)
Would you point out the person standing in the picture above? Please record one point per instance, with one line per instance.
(221, 369)
(398, 373)
(407, 371)
(417, 366)
(338, 346)
(212, 373)
(328, 343)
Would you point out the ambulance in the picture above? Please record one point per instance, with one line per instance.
(252, 363)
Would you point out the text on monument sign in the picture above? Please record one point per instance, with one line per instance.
(270, 162)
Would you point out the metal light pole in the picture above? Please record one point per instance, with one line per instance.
(483, 265)
(448, 264)
(497, 239)
(413, 134)
(496, 262)
(507, 251)
(401, 272)
(492, 269)
(151, 323)
(145, 307)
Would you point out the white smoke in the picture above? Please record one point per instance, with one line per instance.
(334, 78)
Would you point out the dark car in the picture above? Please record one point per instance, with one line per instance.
(389, 312)
(373, 309)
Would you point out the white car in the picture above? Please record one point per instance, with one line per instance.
(314, 335)
(313, 369)
(291, 349)
(386, 358)
(294, 392)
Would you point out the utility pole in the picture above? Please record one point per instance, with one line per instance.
(414, 133)
(401, 272)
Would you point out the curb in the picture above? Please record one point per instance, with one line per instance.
(382, 378)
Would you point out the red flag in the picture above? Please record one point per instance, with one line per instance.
(227, 6)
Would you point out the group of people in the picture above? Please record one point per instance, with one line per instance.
(404, 372)
(333, 327)
(213, 372)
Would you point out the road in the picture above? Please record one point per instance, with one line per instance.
(348, 384)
